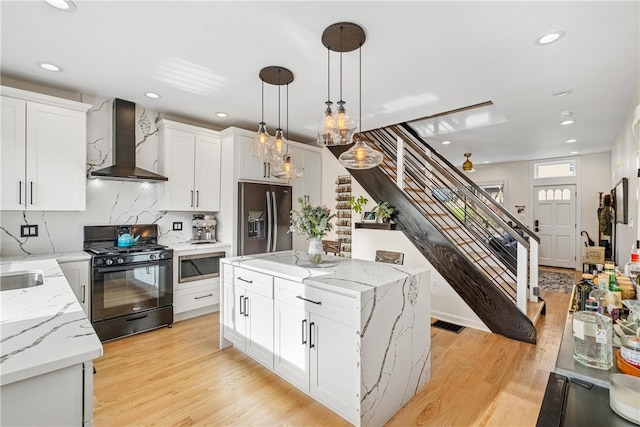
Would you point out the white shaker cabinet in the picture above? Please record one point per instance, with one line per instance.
(190, 158)
(77, 274)
(43, 153)
(312, 351)
(249, 314)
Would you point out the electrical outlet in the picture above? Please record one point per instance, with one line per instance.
(28, 230)
(177, 226)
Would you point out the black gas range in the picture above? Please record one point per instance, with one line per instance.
(131, 286)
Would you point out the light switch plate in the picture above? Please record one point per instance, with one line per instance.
(177, 226)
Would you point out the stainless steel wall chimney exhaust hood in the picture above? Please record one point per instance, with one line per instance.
(124, 148)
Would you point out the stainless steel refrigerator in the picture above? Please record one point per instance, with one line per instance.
(263, 218)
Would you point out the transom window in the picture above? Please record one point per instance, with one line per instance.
(555, 169)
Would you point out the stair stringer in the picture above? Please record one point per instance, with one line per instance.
(498, 313)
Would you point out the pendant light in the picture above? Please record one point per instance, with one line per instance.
(278, 147)
(467, 166)
(360, 156)
(325, 127)
(340, 37)
(262, 138)
(286, 168)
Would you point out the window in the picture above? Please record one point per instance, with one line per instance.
(555, 169)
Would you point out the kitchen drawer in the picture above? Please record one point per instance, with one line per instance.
(212, 283)
(258, 282)
(195, 297)
(341, 308)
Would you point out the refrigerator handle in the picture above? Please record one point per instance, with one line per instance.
(269, 222)
(275, 220)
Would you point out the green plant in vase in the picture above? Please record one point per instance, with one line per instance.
(383, 211)
(313, 222)
(357, 204)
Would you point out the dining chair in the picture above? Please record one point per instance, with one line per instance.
(331, 246)
(390, 257)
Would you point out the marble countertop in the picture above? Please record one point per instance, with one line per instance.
(58, 256)
(340, 274)
(42, 328)
(188, 246)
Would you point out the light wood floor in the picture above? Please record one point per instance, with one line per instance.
(179, 377)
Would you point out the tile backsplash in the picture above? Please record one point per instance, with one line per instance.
(108, 202)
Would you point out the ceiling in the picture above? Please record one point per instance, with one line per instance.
(419, 59)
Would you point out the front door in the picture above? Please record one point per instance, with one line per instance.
(555, 224)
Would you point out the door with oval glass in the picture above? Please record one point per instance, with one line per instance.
(555, 224)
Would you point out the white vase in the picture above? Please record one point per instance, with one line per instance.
(315, 250)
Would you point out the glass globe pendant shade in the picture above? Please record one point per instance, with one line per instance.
(360, 156)
(325, 127)
(343, 127)
(278, 147)
(261, 141)
(287, 169)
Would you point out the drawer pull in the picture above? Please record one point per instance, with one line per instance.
(309, 300)
(304, 329)
(203, 296)
(245, 280)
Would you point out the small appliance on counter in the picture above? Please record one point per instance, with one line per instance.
(204, 229)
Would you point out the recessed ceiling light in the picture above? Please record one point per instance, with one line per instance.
(48, 66)
(66, 5)
(486, 161)
(221, 114)
(561, 94)
(567, 122)
(569, 141)
(550, 37)
(575, 152)
(446, 142)
(565, 113)
(151, 95)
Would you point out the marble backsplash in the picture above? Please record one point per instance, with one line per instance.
(108, 202)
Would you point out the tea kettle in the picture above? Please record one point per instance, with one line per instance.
(126, 240)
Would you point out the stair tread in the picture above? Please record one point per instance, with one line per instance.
(477, 256)
(534, 310)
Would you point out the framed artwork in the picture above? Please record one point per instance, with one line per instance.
(369, 217)
(621, 201)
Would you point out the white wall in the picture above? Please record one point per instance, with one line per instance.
(625, 163)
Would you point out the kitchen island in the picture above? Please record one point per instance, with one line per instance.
(47, 345)
(352, 334)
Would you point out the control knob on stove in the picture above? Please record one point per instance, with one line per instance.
(108, 261)
(119, 260)
(152, 256)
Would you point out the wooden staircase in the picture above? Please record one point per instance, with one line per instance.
(449, 237)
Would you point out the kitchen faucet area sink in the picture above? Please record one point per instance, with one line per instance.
(11, 280)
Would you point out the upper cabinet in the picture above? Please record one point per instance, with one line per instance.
(250, 167)
(43, 153)
(190, 158)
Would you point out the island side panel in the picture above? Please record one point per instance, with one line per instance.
(395, 346)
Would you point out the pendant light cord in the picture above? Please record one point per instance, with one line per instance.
(279, 71)
(262, 100)
(328, 75)
(341, 49)
(287, 110)
(360, 89)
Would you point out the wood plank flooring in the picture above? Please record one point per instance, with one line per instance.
(179, 377)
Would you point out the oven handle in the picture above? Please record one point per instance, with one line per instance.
(123, 267)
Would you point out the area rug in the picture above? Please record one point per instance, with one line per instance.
(556, 282)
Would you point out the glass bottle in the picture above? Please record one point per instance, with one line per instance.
(632, 268)
(593, 340)
(608, 301)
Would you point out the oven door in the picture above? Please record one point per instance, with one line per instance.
(199, 266)
(130, 288)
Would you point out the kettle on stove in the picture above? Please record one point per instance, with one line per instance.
(125, 239)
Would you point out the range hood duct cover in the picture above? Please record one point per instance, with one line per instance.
(124, 147)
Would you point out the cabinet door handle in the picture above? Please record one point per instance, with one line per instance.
(241, 300)
(268, 170)
(246, 311)
(19, 192)
(309, 300)
(203, 296)
(311, 327)
(197, 198)
(31, 191)
(304, 329)
(137, 318)
(84, 293)
(191, 198)
(245, 280)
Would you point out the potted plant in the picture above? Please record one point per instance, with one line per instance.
(358, 204)
(383, 211)
(314, 223)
